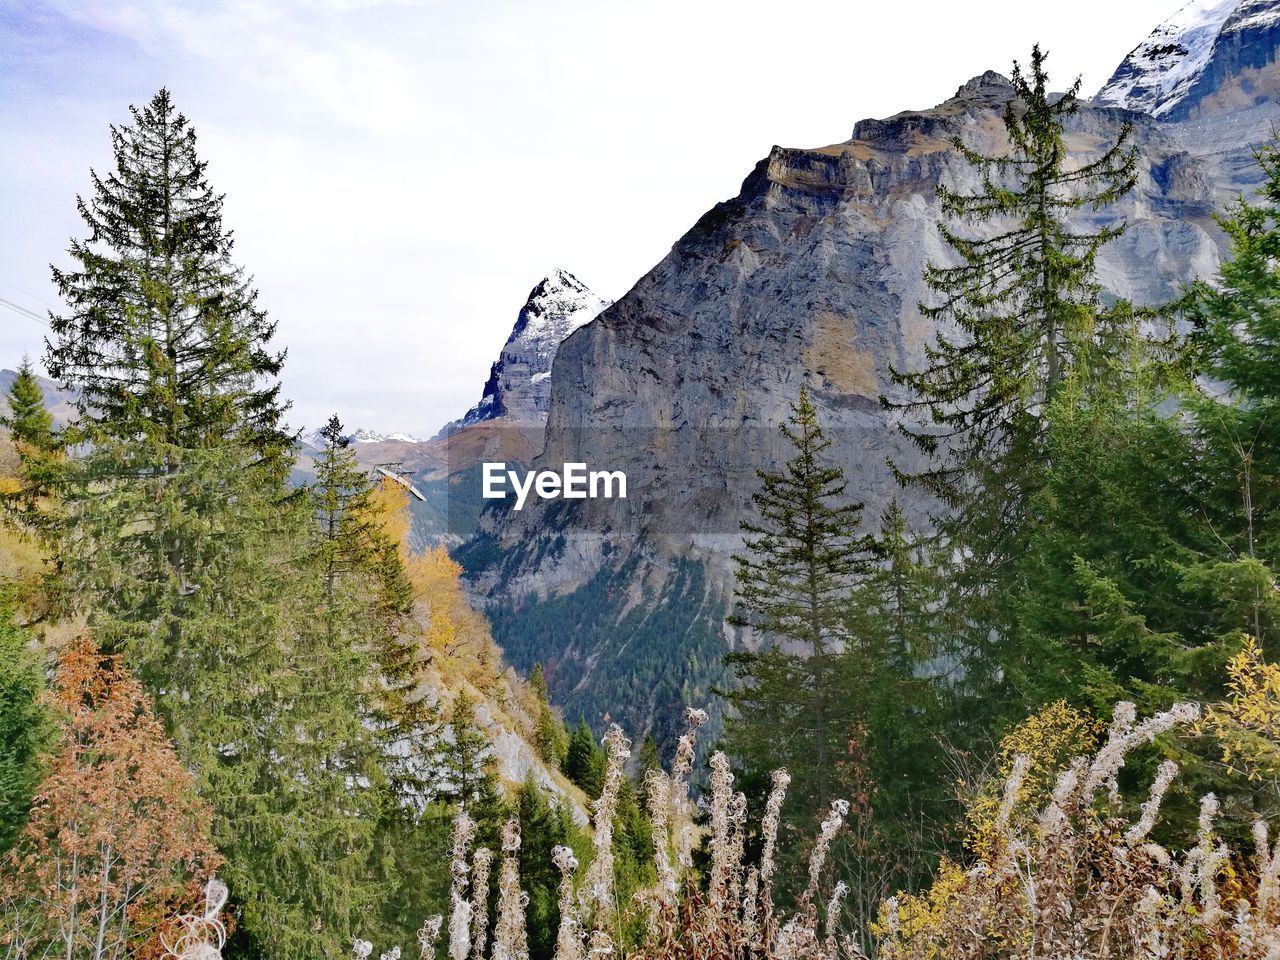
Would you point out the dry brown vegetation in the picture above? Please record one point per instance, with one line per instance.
(1058, 873)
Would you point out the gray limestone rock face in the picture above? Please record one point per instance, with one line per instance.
(810, 276)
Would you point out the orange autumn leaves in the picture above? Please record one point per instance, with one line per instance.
(451, 628)
(117, 842)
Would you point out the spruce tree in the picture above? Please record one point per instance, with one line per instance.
(1155, 549)
(902, 662)
(178, 403)
(186, 550)
(584, 760)
(538, 683)
(366, 599)
(1153, 552)
(902, 603)
(802, 562)
(466, 770)
(28, 420)
(648, 758)
(1106, 613)
(26, 726)
(343, 497)
(1022, 295)
(30, 427)
(1024, 298)
(549, 734)
(1236, 343)
(164, 339)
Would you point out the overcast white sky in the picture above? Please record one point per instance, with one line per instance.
(399, 174)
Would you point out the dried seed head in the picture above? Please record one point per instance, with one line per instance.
(480, 865)
(568, 937)
(1164, 776)
(427, 937)
(826, 833)
(510, 939)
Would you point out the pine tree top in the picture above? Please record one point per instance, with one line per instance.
(1022, 293)
(28, 420)
(804, 554)
(164, 338)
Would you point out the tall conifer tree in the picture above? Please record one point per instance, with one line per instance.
(164, 338)
(1026, 302)
(1023, 296)
(901, 664)
(1236, 342)
(182, 543)
(366, 598)
(26, 726)
(802, 562)
(467, 771)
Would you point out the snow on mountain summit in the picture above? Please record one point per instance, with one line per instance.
(1160, 71)
(1211, 58)
(519, 382)
(362, 435)
(373, 436)
(557, 306)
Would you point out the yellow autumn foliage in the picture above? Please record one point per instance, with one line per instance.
(1247, 723)
(452, 630)
(913, 924)
(915, 919)
(21, 558)
(1050, 739)
(390, 507)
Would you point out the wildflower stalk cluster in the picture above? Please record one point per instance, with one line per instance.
(1059, 879)
(1076, 879)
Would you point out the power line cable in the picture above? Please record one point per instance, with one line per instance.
(26, 293)
(24, 312)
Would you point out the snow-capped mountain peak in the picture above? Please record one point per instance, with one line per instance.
(556, 307)
(519, 382)
(1161, 70)
(373, 436)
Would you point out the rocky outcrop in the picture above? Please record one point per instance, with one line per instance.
(812, 275)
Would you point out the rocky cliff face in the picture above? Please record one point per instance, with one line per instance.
(811, 275)
(519, 385)
(506, 425)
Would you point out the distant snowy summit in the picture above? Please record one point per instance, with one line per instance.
(519, 384)
(1210, 56)
(373, 436)
(364, 436)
